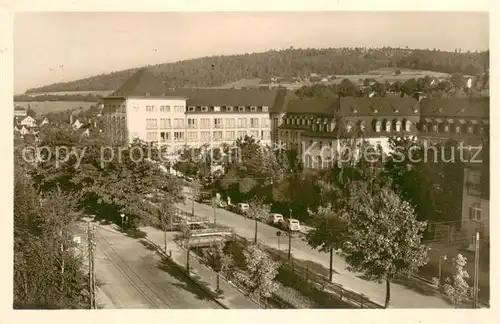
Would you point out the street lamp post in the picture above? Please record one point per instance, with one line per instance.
(290, 237)
(122, 216)
(278, 234)
(441, 259)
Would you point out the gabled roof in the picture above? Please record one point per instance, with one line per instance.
(313, 106)
(456, 107)
(225, 97)
(140, 84)
(384, 106)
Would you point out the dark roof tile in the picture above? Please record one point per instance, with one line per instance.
(380, 106)
(456, 107)
(142, 83)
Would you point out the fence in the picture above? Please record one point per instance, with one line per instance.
(320, 280)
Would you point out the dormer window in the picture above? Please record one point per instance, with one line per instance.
(216, 108)
(378, 126)
(147, 94)
(415, 110)
(241, 108)
(374, 110)
(348, 127)
(398, 126)
(354, 110)
(253, 109)
(440, 110)
(204, 108)
(387, 126)
(265, 108)
(229, 108)
(191, 108)
(458, 128)
(395, 109)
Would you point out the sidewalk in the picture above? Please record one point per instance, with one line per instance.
(232, 298)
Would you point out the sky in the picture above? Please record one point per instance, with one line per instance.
(90, 43)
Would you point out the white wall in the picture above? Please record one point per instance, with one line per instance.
(137, 115)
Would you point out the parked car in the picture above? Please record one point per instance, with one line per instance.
(292, 224)
(242, 208)
(222, 204)
(275, 219)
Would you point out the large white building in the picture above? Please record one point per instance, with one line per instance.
(143, 107)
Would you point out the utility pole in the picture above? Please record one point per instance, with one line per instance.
(331, 264)
(290, 237)
(476, 272)
(92, 282)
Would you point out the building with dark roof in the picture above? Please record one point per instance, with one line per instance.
(144, 107)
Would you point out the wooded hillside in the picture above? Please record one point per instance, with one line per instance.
(219, 70)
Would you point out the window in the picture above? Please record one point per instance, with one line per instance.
(407, 126)
(241, 108)
(178, 123)
(150, 108)
(362, 126)
(242, 122)
(253, 109)
(151, 136)
(387, 126)
(266, 135)
(205, 136)
(266, 122)
(254, 122)
(457, 129)
(217, 122)
(242, 134)
(192, 123)
(191, 108)
(165, 109)
(165, 136)
(122, 109)
(435, 127)
(178, 109)
(398, 126)
(475, 212)
(230, 123)
(265, 108)
(230, 136)
(218, 136)
(254, 134)
(205, 123)
(178, 136)
(165, 123)
(469, 129)
(192, 136)
(217, 108)
(348, 127)
(446, 128)
(204, 108)
(151, 123)
(229, 108)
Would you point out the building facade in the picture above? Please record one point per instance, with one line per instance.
(146, 109)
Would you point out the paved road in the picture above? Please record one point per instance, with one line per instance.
(401, 296)
(134, 277)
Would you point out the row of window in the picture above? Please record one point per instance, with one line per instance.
(477, 129)
(227, 108)
(163, 108)
(205, 136)
(192, 123)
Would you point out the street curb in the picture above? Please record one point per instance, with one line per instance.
(205, 289)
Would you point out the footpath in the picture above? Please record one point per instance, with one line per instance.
(231, 297)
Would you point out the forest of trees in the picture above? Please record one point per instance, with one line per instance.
(51, 97)
(219, 70)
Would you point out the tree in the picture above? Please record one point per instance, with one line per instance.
(195, 192)
(219, 260)
(383, 237)
(456, 288)
(328, 230)
(258, 211)
(47, 274)
(165, 213)
(262, 270)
